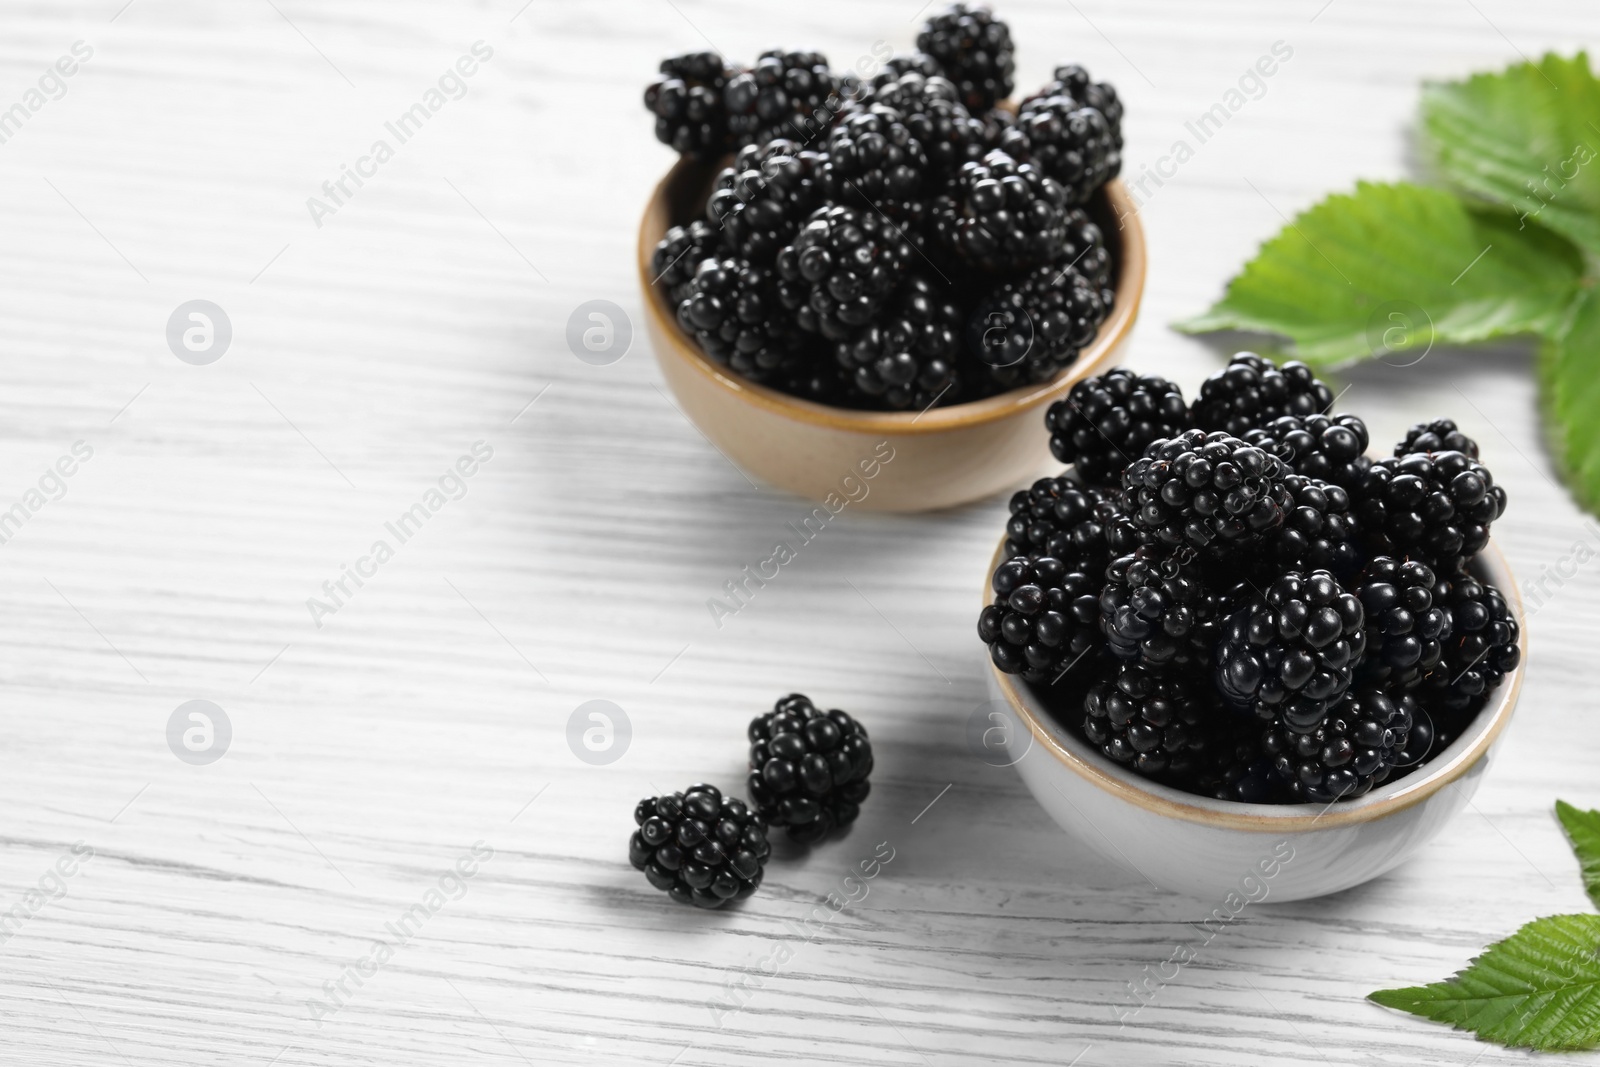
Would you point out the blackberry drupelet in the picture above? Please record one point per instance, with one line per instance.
(1433, 506)
(974, 50)
(1357, 745)
(1319, 532)
(1440, 435)
(1058, 517)
(1001, 216)
(764, 197)
(1405, 627)
(700, 847)
(1154, 721)
(1155, 609)
(874, 163)
(1107, 422)
(808, 768)
(1030, 329)
(1044, 618)
(1123, 536)
(1289, 655)
(1480, 651)
(1330, 448)
(841, 270)
(907, 359)
(1207, 490)
(786, 94)
(733, 311)
(679, 254)
(1250, 392)
(687, 103)
(1072, 143)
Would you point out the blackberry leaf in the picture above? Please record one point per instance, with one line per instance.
(1583, 830)
(1569, 366)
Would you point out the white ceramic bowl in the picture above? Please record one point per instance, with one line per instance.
(1210, 849)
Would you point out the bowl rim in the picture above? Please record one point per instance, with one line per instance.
(1132, 267)
(1125, 785)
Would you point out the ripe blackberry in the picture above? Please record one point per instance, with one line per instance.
(1329, 448)
(679, 254)
(786, 94)
(1250, 392)
(1072, 143)
(1319, 531)
(1289, 655)
(1235, 768)
(1107, 422)
(1123, 536)
(1433, 506)
(974, 49)
(1357, 745)
(687, 103)
(1207, 490)
(1155, 609)
(1155, 721)
(1058, 517)
(764, 197)
(1073, 81)
(841, 269)
(1043, 620)
(1480, 650)
(874, 163)
(1440, 435)
(907, 359)
(1030, 329)
(733, 311)
(1085, 251)
(814, 375)
(1405, 627)
(700, 847)
(808, 768)
(1001, 216)
(932, 110)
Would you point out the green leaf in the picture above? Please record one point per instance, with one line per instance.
(1583, 830)
(1393, 269)
(1528, 137)
(1569, 371)
(1539, 988)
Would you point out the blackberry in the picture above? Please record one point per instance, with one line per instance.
(1433, 506)
(1357, 745)
(786, 94)
(1405, 627)
(1440, 435)
(680, 253)
(1072, 143)
(1030, 329)
(1155, 609)
(1288, 656)
(1234, 767)
(874, 162)
(908, 358)
(687, 103)
(1085, 251)
(1319, 531)
(1207, 490)
(733, 312)
(1073, 81)
(763, 198)
(974, 49)
(1107, 422)
(1043, 620)
(1058, 517)
(1481, 648)
(1330, 448)
(813, 375)
(700, 847)
(808, 768)
(1154, 721)
(841, 269)
(1001, 216)
(1250, 392)
(932, 110)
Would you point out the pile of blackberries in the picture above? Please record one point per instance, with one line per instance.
(808, 772)
(1232, 598)
(891, 237)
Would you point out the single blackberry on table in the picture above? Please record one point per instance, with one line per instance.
(841, 269)
(874, 163)
(733, 312)
(1044, 618)
(1155, 721)
(1001, 216)
(687, 103)
(1319, 531)
(679, 254)
(1330, 448)
(1207, 490)
(1108, 421)
(1433, 506)
(1480, 650)
(700, 847)
(808, 768)
(1156, 609)
(1405, 627)
(1072, 143)
(1058, 517)
(1030, 329)
(764, 197)
(1250, 392)
(1355, 746)
(974, 50)
(907, 358)
(1073, 81)
(1290, 654)
(786, 94)
(1440, 435)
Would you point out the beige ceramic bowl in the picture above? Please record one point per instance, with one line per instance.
(917, 462)
(1212, 849)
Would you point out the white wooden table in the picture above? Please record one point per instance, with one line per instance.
(426, 714)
